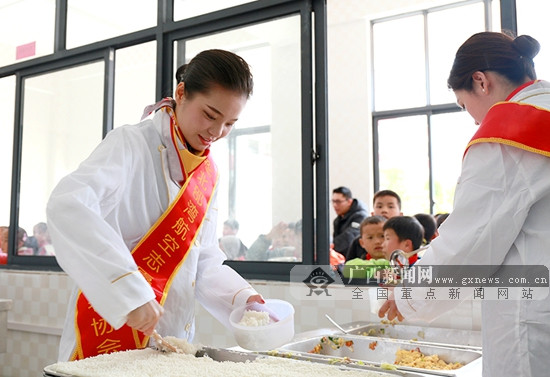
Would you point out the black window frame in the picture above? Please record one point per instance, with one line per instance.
(165, 33)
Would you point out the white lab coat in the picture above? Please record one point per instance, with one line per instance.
(98, 213)
(500, 217)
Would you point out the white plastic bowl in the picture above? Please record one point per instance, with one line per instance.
(264, 338)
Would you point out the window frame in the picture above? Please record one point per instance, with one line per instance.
(508, 22)
(165, 33)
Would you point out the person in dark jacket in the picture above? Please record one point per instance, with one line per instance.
(350, 212)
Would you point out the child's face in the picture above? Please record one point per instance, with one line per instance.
(372, 237)
(392, 243)
(386, 206)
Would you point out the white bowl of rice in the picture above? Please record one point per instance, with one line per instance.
(258, 327)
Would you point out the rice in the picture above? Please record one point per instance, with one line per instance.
(254, 318)
(151, 363)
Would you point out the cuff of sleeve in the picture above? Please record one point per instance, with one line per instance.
(242, 296)
(130, 292)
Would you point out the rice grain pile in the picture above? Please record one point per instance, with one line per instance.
(150, 363)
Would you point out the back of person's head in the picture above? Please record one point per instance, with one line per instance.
(346, 192)
(406, 228)
(440, 218)
(216, 67)
(492, 51)
(232, 223)
(429, 224)
(382, 193)
(371, 220)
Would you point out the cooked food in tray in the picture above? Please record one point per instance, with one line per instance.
(415, 358)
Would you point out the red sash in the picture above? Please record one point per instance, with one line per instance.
(517, 124)
(158, 255)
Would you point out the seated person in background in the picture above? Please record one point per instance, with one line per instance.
(371, 240)
(350, 212)
(430, 226)
(42, 236)
(404, 233)
(21, 238)
(386, 203)
(3, 244)
(230, 243)
(284, 241)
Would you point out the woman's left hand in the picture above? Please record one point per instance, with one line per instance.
(255, 298)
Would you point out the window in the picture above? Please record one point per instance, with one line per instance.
(107, 19)
(190, 8)
(258, 162)
(62, 121)
(531, 20)
(65, 103)
(21, 40)
(419, 135)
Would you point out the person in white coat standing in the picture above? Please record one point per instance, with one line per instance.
(502, 200)
(135, 225)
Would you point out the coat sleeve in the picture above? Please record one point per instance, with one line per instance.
(87, 247)
(492, 200)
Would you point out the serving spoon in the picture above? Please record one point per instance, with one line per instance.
(336, 324)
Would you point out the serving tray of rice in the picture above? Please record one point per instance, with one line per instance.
(216, 362)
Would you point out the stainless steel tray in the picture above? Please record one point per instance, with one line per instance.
(217, 354)
(384, 352)
(221, 354)
(443, 337)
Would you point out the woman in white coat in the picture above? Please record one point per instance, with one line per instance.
(135, 225)
(502, 200)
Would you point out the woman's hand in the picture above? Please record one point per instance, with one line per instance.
(146, 317)
(390, 308)
(255, 298)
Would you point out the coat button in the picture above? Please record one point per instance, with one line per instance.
(193, 283)
(197, 242)
(187, 327)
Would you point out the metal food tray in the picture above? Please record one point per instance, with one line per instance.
(384, 352)
(443, 337)
(217, 354)
(221, 354)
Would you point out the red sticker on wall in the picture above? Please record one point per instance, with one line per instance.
(26, 50)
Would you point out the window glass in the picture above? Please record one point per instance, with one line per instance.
(450, 135)
(399, 64)
(403, 161)
(27, 29)
(261, 162)
(7, 103)
(532, 21)
(62, 123)
(191, 8)
(135, 68)
(107, 19)
(447, 30)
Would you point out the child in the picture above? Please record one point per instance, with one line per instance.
(370, 240)
(386, 203)
(403, 233)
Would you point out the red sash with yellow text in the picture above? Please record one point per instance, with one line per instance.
(517, 124)
(158, 255)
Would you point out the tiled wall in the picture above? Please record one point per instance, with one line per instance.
(40, 299)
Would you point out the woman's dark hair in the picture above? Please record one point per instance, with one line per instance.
(497, 52)
(216, 67)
